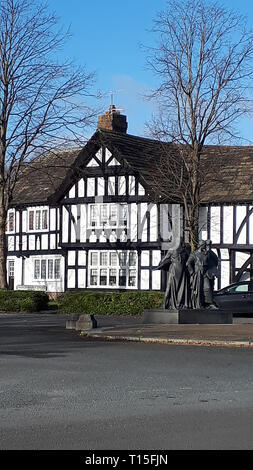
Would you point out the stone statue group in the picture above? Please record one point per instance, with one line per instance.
(190, 281)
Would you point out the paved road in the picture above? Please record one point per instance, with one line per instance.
(60, 391)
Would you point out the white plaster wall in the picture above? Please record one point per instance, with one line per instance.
(131, 185)
(52, 241)
(81, 258)
(228, 224)
(224, 273)
(44, 242)
(71, 276)
(32, 245)
(121, 185)
(18, 216)
(74, 224)
(71, 258)
(215, 224)
(72, 192)
(144, 279)
(153, 222)
(52, 215)
(11, 243)
(240, 214)
(83, 210)
(250, 227)
(111, 185)
(133, 219)
(81, 187)
(142, 223)
(101, 186)
(81, 278)
(156, 280)
(156, 257)
(90, 187)
(145, 258)
(65, 223)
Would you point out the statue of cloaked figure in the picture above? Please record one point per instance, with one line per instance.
(177, 294)
(203, 268)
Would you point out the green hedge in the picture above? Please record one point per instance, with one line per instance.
(109, 303)
(23, 301)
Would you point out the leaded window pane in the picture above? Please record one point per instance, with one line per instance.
(122, 277)
(50, 269)
(132, 277)
(103, 214)
(94, 259)
(103, 258)
(132, 258)
(31, 220)
(57, 269)
(122, 258)
(93, 215)
(93, 277)
(113, 215)
(37, 269)
(43, 269)
(103, 277)
(11, 222)
(112, 277)
(113, 259)
(44, 220)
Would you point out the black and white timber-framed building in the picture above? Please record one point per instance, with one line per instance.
(85, 218)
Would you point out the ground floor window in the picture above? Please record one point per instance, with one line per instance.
(47, 268)
(113, 268)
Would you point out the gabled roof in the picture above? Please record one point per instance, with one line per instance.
(229, 170)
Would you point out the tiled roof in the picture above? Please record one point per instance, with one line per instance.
(228, 169)
(41, 177)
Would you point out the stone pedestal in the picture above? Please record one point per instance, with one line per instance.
(80, 322)
(187, 316)
(71, 322)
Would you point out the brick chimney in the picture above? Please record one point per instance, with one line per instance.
(112, 120)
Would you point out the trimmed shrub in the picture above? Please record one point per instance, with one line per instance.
(109, 303)
(23, 301)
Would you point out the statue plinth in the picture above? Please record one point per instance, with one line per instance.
(187, 316)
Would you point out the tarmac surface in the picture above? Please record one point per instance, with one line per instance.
(132, 328)
(238, 334)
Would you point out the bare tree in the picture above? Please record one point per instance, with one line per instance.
(41, 98)
(203, 61)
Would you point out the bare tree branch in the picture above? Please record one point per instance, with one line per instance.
(42, 100)
(203, 62)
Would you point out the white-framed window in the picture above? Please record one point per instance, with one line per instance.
(113, 269)
(11, 221)
(47, 269)
(107, 215)
(37, 219)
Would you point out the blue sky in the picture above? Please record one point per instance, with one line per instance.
(106, 37)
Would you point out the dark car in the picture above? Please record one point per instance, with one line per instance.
(237, 297)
